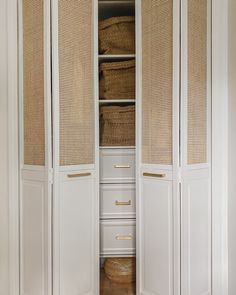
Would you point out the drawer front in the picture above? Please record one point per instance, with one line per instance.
(117, 165)
(117, 201)
(117, 238)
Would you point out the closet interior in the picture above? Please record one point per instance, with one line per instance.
(116, 58)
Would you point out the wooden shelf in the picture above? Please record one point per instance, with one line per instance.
(116, 101)
(118, 2)
(118, 147)
(115, 57)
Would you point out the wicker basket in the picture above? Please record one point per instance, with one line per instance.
(120, 270)
(117, 126)
(117, 35)
(117, 80)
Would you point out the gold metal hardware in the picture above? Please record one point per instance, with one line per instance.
(123, 238)
(122, 166)
(79, 175)
(158, 175)
(123, 203)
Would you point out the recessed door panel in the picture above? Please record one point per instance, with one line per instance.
(76, 99)
(76, 241)
(157, 81)
(197, 81)
(157, 239)
(33, 82)
(196, 233)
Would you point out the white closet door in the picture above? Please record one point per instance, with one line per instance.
(35, 105)
(157, 147)
(196, 147)
(76, 239)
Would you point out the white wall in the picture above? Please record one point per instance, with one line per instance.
(4, 270)
(232, 148)
(8, 149)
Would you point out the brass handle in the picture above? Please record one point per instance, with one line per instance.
(79, 175)
(123, 203)
(123, 238)
(121, 166)
(158, 175)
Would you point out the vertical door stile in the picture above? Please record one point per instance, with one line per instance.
(176, 147)
(75, 141)
(196, 148)
(48, 138)
(55, 123)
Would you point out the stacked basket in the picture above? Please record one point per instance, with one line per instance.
(117, 81)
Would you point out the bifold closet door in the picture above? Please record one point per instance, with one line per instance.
(76, 239)
(157, 147)
(35, 130)
(196, 148)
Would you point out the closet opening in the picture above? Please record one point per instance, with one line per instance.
(116, 99)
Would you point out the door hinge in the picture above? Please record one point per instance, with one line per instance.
(179, 175)
(50, 176)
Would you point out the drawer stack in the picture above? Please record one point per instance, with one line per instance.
(117, 202)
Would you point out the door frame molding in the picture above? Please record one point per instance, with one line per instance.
(219, 143)
(220, 147)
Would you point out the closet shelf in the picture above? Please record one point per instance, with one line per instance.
(114, 57)
(118, 147)
(118, 2)
(116, 101)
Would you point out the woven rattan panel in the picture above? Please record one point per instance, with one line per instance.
(157, 45)
(197, 81)
(33, 84)
(76, 82)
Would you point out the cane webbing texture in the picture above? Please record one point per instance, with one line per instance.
(157, 59)
(33, 82)
(197, 81)
(76, 82)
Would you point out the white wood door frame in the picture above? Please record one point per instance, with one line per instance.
(219, 142)
(220, 146)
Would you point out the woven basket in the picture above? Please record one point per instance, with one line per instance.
(117, 80)
(117, 35)
(120, 270)
(117, 126)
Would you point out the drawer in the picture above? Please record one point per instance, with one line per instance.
(117, 201)
(117, 238)
(117, 165)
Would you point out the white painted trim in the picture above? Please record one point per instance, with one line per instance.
(13, 172)
(56, 159)
(220, 146)
(138, 132)
(48, 145)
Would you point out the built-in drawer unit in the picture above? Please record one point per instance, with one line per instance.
(117, 201)
(117, 238)
(117, 165)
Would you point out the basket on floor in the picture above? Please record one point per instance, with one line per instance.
(117, 80)
(117, 35)
(117, 126)
(120, 270)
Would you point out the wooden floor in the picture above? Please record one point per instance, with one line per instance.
(109, 288)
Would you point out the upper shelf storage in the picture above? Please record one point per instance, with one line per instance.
(116, 8)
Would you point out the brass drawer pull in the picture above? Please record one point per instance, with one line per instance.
(79, 175)
(122, 166)
(158, 175)
(123, 238)
(123, 203)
